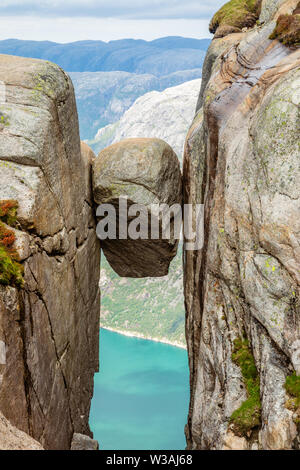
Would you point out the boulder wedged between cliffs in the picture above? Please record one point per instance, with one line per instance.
(144, 173)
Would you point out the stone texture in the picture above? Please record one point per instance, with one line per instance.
(224, 30)
(12, 438)
(242, 163)
(50, 328)
(146, 172)
(82, 442)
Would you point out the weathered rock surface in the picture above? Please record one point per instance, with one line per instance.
(242, 163)
(164, 115)
(146, 172)
(82, 442)
(12, 438)
(49, 328)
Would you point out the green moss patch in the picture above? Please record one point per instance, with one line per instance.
(8, 212)
(238, 14)
(287, 29)
(292, 386)
(11, 271)
(248, 416)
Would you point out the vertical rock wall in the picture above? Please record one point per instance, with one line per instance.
(49, 328)
(242, 163)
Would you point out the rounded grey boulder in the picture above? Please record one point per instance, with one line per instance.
(144, 172)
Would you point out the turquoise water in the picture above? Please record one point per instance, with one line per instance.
(141, 395)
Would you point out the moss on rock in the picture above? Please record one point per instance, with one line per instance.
(8, 212)
(248, 416)
(292, 386)
(11, 271)
(287, 29)
(237, 14)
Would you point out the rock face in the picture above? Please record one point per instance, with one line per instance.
(165, 115)
(146, 172)
(48, 328)
(242, 289)
(82, 442)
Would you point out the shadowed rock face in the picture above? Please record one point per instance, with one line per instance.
(48, 329)
(242, 163)
(145, 172)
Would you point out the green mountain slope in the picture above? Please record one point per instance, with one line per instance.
(150, 308)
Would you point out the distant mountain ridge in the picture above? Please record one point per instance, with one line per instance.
(103, 97)
(159, 57)
(166, 115)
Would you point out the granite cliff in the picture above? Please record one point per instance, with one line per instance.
(242, 289)
(49, 294)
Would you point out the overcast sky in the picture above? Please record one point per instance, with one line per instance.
(74, 20)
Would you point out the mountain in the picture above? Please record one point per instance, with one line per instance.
(166, 115)
(103, 97)
(109, 77)
(159, 57)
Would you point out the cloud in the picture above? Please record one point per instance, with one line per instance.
(129, 9)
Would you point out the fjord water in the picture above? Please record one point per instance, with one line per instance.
(141, 395)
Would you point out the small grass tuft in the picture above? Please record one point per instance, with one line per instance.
(248, 416)
(238, 14)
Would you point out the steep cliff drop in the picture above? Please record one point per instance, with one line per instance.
(242, 289)
(49, 256)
